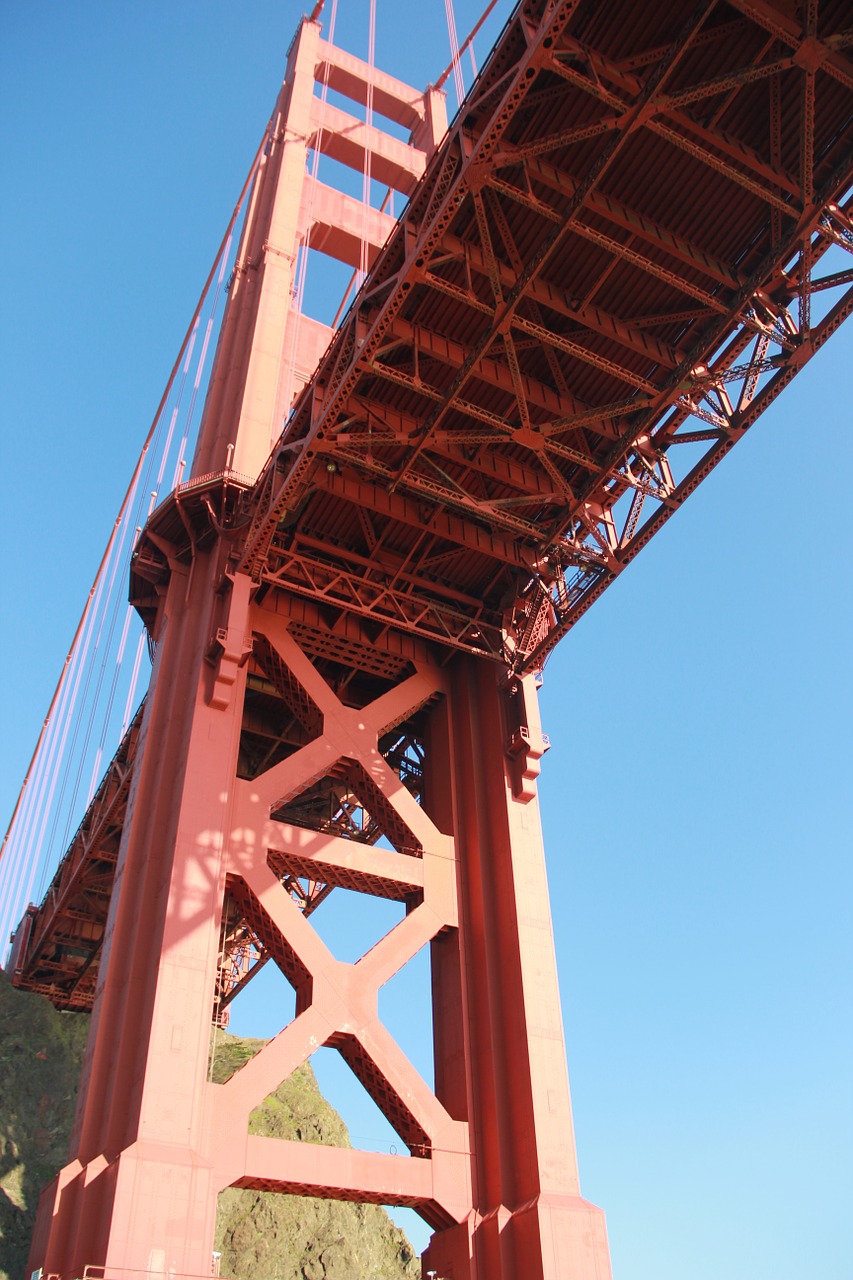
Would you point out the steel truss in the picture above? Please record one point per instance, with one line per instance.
(545, 363)
(625, 248)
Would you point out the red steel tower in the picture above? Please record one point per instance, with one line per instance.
(221, 826)
(348, 616)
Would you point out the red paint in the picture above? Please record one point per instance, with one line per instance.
(526, 353)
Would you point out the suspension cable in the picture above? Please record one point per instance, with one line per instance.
(454, 51)
(25, 831)
(364, 261)
(468, 43)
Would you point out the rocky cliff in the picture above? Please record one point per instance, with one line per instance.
(263, 1236)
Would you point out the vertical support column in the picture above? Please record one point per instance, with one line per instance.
(429, 134)
(266, 349)
(244, 404)
(529, 1221)
(493, 1165)
(262, 405)
(138, 1196)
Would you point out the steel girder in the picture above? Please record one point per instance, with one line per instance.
(545, 332)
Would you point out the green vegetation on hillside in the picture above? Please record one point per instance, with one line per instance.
(263, 1236)
(41, 1055)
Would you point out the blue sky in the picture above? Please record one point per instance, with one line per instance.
(696, 797)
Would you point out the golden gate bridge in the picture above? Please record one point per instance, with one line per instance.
(511, 408)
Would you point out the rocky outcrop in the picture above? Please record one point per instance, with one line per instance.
(41, 1053)
(261, 1236)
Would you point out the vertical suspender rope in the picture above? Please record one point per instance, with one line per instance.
(167, 448)
(20, 874)
(468, 43)
(199, 373)
(107, 602)
(184, 373)
(137, 662)
(65, 720)
(387, 206)
(368, 114)
(99, 754)
(36, 767)
(454, 52)
(111, 600)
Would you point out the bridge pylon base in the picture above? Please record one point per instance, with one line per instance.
(285, 761)
(549, 1240)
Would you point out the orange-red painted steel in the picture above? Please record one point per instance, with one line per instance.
(491, 1164)
(609, 264)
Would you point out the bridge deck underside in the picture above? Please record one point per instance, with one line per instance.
(605, 275)
(610, 267)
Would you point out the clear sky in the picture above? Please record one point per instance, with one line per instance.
(696, 799)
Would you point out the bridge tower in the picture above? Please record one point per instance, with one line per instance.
(286, 749)
(616, 259)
